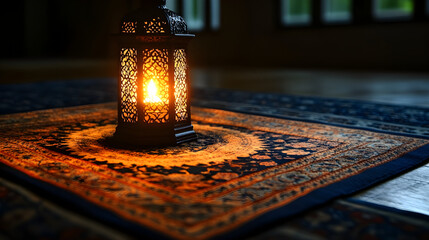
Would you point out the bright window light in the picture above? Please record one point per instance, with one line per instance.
(172, 5)
(215, 14)
(427, 7)
(194, 14)
(337, 11)
(391, 9)
(296, 12)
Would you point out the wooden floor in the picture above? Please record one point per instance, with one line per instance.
(396, 88)
(409, 191)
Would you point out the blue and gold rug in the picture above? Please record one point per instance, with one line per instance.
(245, 170)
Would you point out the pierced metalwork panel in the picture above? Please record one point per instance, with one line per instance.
(129, 27)
(129, 85)
(156, 25)
(180, 86)
(155, 85)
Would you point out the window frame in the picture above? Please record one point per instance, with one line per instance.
(361, 14)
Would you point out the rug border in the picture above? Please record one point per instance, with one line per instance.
(319, 98)
(316, 198)
(317, 121)
(323, 195)
(62, 197)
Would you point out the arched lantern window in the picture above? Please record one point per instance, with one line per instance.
(154, 90)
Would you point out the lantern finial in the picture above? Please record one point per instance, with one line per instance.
(154, 18)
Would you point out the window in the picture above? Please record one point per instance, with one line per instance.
(200, 15)
(194, 14)
(215, 14)
(391, 9)
(172, 5)
(296, 12)
(319, 13)
(337, 11)
(427, 7)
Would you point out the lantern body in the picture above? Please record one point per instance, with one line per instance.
(153, 87)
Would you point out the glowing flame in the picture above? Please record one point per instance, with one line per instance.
(152, 93)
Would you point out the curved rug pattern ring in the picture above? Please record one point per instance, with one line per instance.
(264, 166)
(217, 144)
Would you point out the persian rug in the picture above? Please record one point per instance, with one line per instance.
(244, 171)
(25, 215)
(395, 119)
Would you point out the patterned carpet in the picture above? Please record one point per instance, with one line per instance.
(245, 172)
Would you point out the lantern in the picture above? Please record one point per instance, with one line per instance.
(154, 91)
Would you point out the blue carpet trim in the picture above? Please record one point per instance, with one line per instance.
(340, 189)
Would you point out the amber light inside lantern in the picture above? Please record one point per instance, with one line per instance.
(128, 86)
(152, 93)
(155, 85)
(180, 88)
(155, 88)
(154, 106)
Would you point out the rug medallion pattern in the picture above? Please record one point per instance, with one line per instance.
(241, 167)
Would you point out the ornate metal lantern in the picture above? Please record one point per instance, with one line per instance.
(154, 101)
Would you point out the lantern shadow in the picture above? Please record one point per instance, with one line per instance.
(203, 142)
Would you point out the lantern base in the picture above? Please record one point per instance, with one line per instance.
(153, 136)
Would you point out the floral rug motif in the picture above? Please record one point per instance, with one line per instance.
(242, 171)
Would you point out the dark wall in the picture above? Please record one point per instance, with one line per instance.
(249, 37)
(61, 28)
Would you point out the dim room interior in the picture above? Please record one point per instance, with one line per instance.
(275, 119)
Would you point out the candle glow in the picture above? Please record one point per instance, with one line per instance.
(152, 93)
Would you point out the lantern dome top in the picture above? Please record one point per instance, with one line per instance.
(153, 18)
